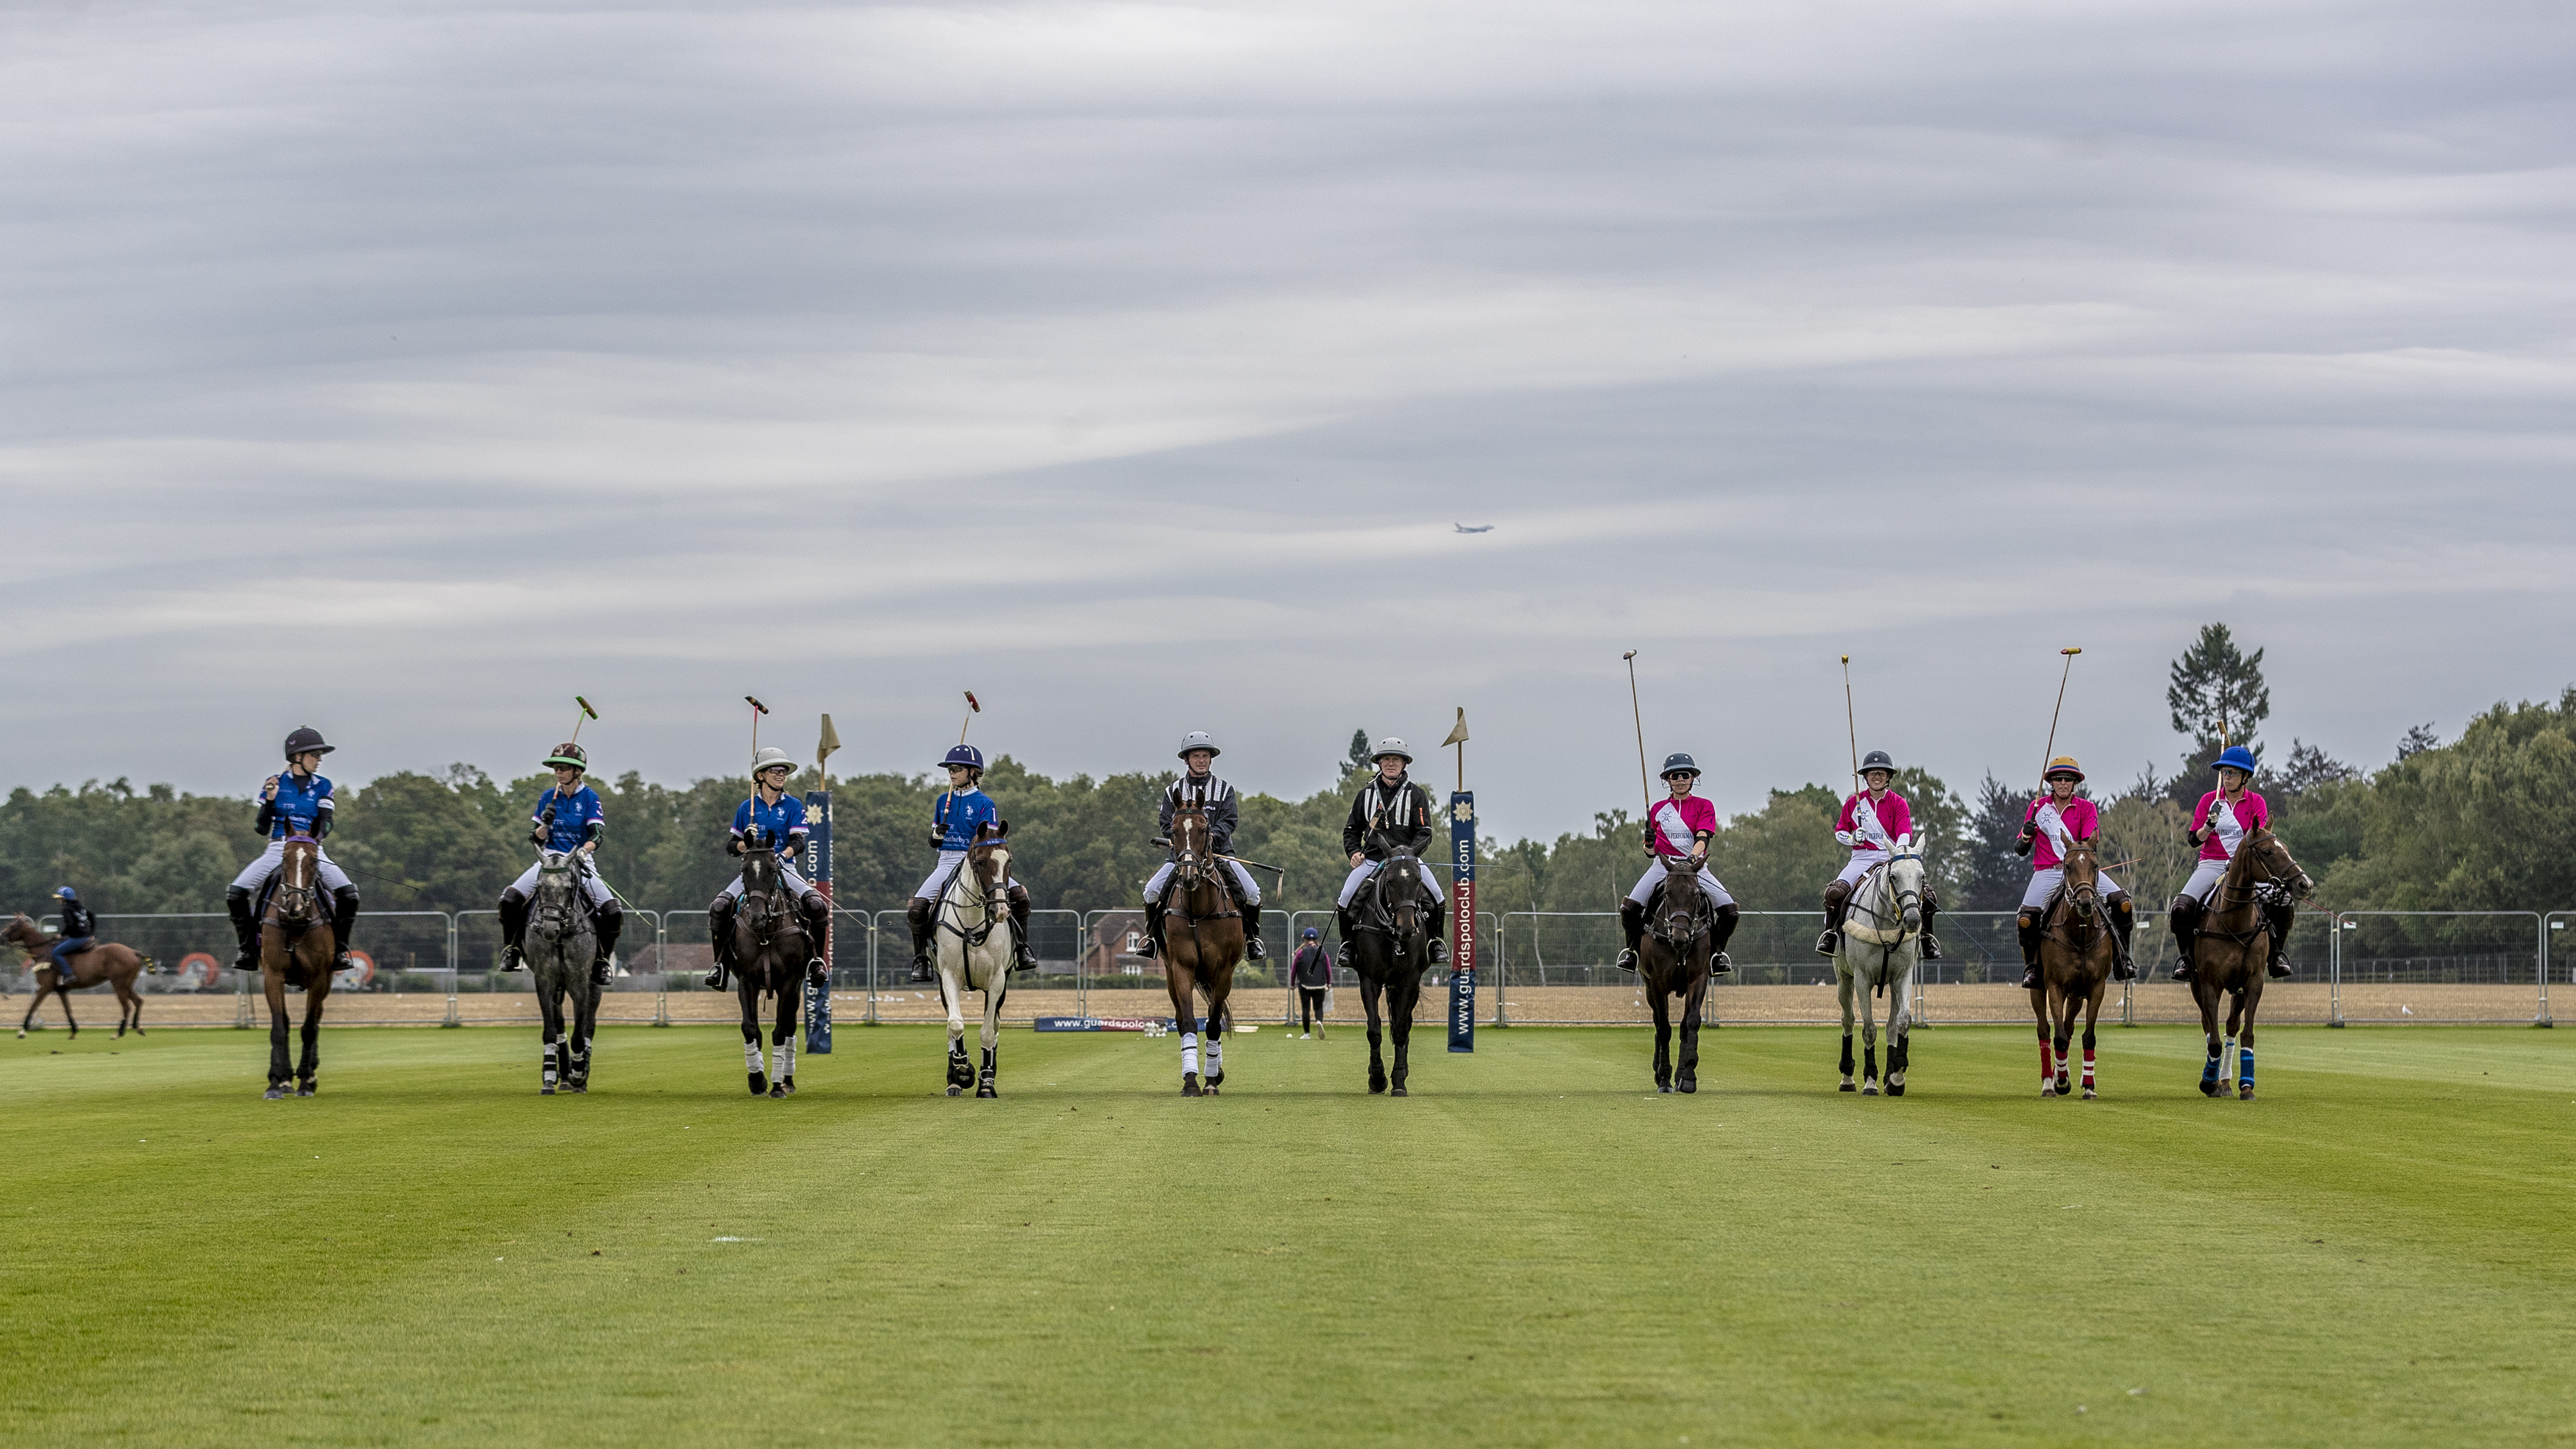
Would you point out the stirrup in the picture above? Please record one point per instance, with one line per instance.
(511, 960)
(1627, 959)
(602, 972)
(1931, 949)
(1829, 943)
(1253, 948)
(1720, 964)
(2182, 972)
(2030, 978)
(2277, 970)
(1440, 952)
(716, 978)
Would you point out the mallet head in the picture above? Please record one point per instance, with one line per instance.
(1631, 654)
(2070, 651)
(755, 704)
(585, 706)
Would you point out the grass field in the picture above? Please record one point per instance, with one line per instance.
(1532, 1250)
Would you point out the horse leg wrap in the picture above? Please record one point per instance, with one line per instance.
(751, 1058)
(1189, 1052)
(2245, 1068)
(1847, 1055)
(2047, 1062)
(552, 1072)
(1215, 1057)
(2088, 1069)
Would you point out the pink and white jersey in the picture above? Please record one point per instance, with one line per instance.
(1676, 820)
(1875, 830)
(2250, 813)
(2058, 825)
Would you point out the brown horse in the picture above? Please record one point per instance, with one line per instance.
(1203, 933)
(1684, 931)
(295, 948)
(2231, 942)
(109, 962)
(2076, 953)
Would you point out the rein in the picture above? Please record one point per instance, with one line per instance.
(953, 903)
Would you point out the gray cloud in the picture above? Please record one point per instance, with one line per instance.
(403, 370)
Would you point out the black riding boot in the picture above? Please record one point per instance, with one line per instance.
(2029, 928)
(1023, 956)
(1342, 920)
(344, 915)
(2280, 919)
(1632, 924)
(1931, 947)
(1153, 932)
(237, 904)
(1252, 946)
(514, 929)
(1720, 932)
(2182, 920)
(1433, 928)
(818, 932)
(2124, 920)
(606, 924)
(1837, 896)
(917, 914)
(720, 938)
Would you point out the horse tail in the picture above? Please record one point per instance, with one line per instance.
(150, 966)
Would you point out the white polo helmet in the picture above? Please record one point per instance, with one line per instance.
(1391, 746)
(771, 755)
(1199, 740)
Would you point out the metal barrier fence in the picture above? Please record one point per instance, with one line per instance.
(1542, 968)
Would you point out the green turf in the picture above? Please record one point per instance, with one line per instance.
(1530, 1251)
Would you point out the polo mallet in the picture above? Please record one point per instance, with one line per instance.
(757, 710)
(1644, 791)
(2051, 752)
(1851, 722)
(972, 709)
(586, 713)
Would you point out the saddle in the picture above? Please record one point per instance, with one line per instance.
(1857, 930)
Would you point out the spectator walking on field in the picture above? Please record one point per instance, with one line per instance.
(1311, 972)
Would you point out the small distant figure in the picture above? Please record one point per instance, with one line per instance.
(1478, 528)
(1311, 971)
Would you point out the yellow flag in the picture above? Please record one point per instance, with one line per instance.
(1457, 736)
(831, 741)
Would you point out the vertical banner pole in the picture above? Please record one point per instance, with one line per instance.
(1462, 901)
(818, 842)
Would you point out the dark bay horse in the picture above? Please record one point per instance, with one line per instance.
(559, 948)
(2076, 953)
(109, 962)
(1204, 932)
(1673, 959)
(295, 949)
(2231, 942)
(972, 952)
(1390, 949)
(769, 954)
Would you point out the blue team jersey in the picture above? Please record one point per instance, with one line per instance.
(577, 817)
(778, 824)
(958, 815)
(298, 804)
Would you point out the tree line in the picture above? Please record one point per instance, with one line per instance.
(2479, 823)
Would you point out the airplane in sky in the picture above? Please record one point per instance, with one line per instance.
(1479, 528)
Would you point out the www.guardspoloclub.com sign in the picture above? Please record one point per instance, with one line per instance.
(1462, 921)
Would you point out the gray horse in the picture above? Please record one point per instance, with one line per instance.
(560, 947)
(1882, 933)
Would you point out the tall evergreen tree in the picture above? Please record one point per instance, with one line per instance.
(2217, 693)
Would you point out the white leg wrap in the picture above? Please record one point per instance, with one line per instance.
(1215, 1056)
(1189, 1052)
(751, 1056)
(785, 1057)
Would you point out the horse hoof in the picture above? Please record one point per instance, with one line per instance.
(305, 1090)
(778, 1092)
(1869, 1089)
(275, 1093)
(1896, 1089)
(759, 1083)
(1396, 1092)
(2209, 1089)
(1376, 1088)
(986, 1093)
(2047, 1090)
(2090, 1094)
(2245, 1094)
(1847, 1087)
(1686, 1086)
(582, 1089)
(2065, 1088)
(545, 1091)
(789, 1083)
(1189, 1084)
(1215, 1080)
(955, 1090)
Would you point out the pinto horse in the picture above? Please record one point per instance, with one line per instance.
(1882, 934)
(2230, 945)
(769, 954)
(1673, 959)
(1204, 932)
(1390, 949)
(972, 932)
(115, 964)
(295, 949)
(560, 945)
(2076, 955)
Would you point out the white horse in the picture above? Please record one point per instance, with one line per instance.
(1882, 932)
(972, 929)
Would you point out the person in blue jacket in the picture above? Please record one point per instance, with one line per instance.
(774, 818)
(295, 802)
(567, 819)
(79, 932)
(953, 822)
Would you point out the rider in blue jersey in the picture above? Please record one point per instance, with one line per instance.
(295, 802)
(774, 818)
(960, 811)
(567, 819)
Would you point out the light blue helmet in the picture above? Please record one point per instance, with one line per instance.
(2235, 757)
(967, 755)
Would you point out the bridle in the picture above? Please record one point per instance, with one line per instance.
(2273, 889)
(2083, 900)
(1692, 921)
(954, 901)
(1406, 926)
(552, 917)
(294, 900)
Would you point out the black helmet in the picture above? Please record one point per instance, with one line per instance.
(1678, 764)
(306, 739)
(1877, 760)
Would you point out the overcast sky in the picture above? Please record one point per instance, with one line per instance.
(403, 370)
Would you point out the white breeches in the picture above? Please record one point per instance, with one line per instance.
(949, 860)
(2044, 881)
(1367, 868)
(1862, 862)
(2204, 880)
(1655, 874)
(788, 879)
(1242, 878)
(593, 889)
(331, 876)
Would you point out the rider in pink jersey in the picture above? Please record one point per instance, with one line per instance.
(2049, 828)
(2219, 826)
(1871, 823)
(1678, 832)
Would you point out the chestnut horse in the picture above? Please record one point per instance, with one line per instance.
(769, 954)
(295, 948)
(2230, 945)
(2076, 955)
(1204, 931)
(109, 962)
(972, 947)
